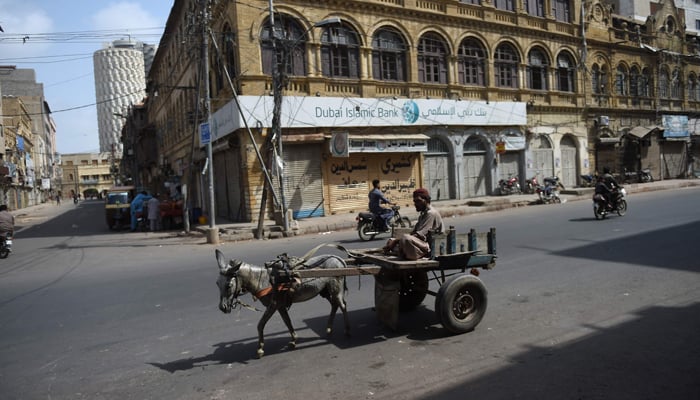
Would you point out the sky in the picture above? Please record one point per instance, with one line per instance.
(57, 39)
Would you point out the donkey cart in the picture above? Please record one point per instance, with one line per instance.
(402, 285)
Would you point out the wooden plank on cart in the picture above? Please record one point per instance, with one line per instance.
(349, 271)
(377, 257)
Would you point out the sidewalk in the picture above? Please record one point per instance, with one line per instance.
(237, 231)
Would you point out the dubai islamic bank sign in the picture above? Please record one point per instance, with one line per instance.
(348, 112)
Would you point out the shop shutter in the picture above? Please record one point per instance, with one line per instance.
(474, 175)
(568, 162)
(303, 189)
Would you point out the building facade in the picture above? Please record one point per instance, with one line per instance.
(87, 174)
(448, 95)
(119, 83)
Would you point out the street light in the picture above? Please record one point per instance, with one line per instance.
(277, 82)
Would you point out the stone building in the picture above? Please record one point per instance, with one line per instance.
(87, 174)
(449, 95)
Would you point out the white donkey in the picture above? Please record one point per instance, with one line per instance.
(237, 277)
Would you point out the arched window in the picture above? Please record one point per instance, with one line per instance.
(228, 40)
(437, 146)
(474, 144)
(471, 63)
(692, 88)
(537, 66)
(432, 59)
(635, 84)
(505, 64)
(621, 83)
(340, 52)
(663, 84)
(388, 56)
(676, 84)
(291, 46)
(599, 77)
(646, 83)
(535, 7)
(565, 72)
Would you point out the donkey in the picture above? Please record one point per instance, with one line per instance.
(237, 277)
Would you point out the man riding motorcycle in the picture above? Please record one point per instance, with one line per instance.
(7, 222)
(376, 199)
(607, 186)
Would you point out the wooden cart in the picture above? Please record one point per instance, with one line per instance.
(402, 285)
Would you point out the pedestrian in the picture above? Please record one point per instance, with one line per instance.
(137, 207)
(154, 213)
(7, 221)
(58, 199)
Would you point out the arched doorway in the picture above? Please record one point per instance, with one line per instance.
(568, 161)
(436, 177)
(541, 163)
(474, 167)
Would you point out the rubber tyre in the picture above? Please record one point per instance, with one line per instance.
(4, 252)
(598, 214)
(461, 303)
(621, 207)
(413, 290)
(556, 200)
(362, 231)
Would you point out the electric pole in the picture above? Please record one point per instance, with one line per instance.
(213, 233)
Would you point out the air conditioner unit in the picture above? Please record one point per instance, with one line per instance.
(603, 120)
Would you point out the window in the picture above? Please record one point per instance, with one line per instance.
(432, 59)
(635, 85)
(291, 47)
(621, 84)
(663, 84)
(475, 2)
(676, 84)
(506, 66)
(537, 64)
(565, 72)
(388, 56)
(692, 88)
(646, 83)
(535, 7)
(697, 24)
(561, 10)
(508, 5)
(471, 63)
(340, 52)
(228, 40)
(599, 77)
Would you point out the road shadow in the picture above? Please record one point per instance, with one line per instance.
(661, 248)
(365, 329)
(653, 355)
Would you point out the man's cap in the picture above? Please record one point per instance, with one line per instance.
(422, 192)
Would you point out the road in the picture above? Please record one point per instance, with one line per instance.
(578, 309)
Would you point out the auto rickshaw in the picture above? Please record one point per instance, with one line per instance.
(117, 207)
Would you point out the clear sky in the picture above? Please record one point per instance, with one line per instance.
(57, 38)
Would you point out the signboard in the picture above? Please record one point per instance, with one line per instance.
(340, 144)
(500, 147)
(204, 134)
(675, 126)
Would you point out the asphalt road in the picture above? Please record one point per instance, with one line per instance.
(578, 309)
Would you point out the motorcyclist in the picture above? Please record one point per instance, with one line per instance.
(7, 221)
(611, 185)
(376, 199)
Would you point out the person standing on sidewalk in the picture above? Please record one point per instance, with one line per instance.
(153, 212)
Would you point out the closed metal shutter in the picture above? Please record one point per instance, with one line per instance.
(303, 188)
(436, 176)
(227, 190)
(474, 167)
(220, 185)
(674, 161)
(568, 162)
(508, 165)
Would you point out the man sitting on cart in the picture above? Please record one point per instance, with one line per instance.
(415, 245)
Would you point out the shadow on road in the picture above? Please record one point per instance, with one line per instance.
(654, 355)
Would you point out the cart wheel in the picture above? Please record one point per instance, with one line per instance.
(414, 288)
(461, 303)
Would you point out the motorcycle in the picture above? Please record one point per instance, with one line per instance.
(618, 203)
(645, 175)
(5, 245)
(370, 225)
(509, 186)
(549, 193)
(642, 176)
(588, 180)
(531, 185)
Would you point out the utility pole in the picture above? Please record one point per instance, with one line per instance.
(213, 233)
(277, 84)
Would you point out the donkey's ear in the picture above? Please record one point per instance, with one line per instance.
(221, 261)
